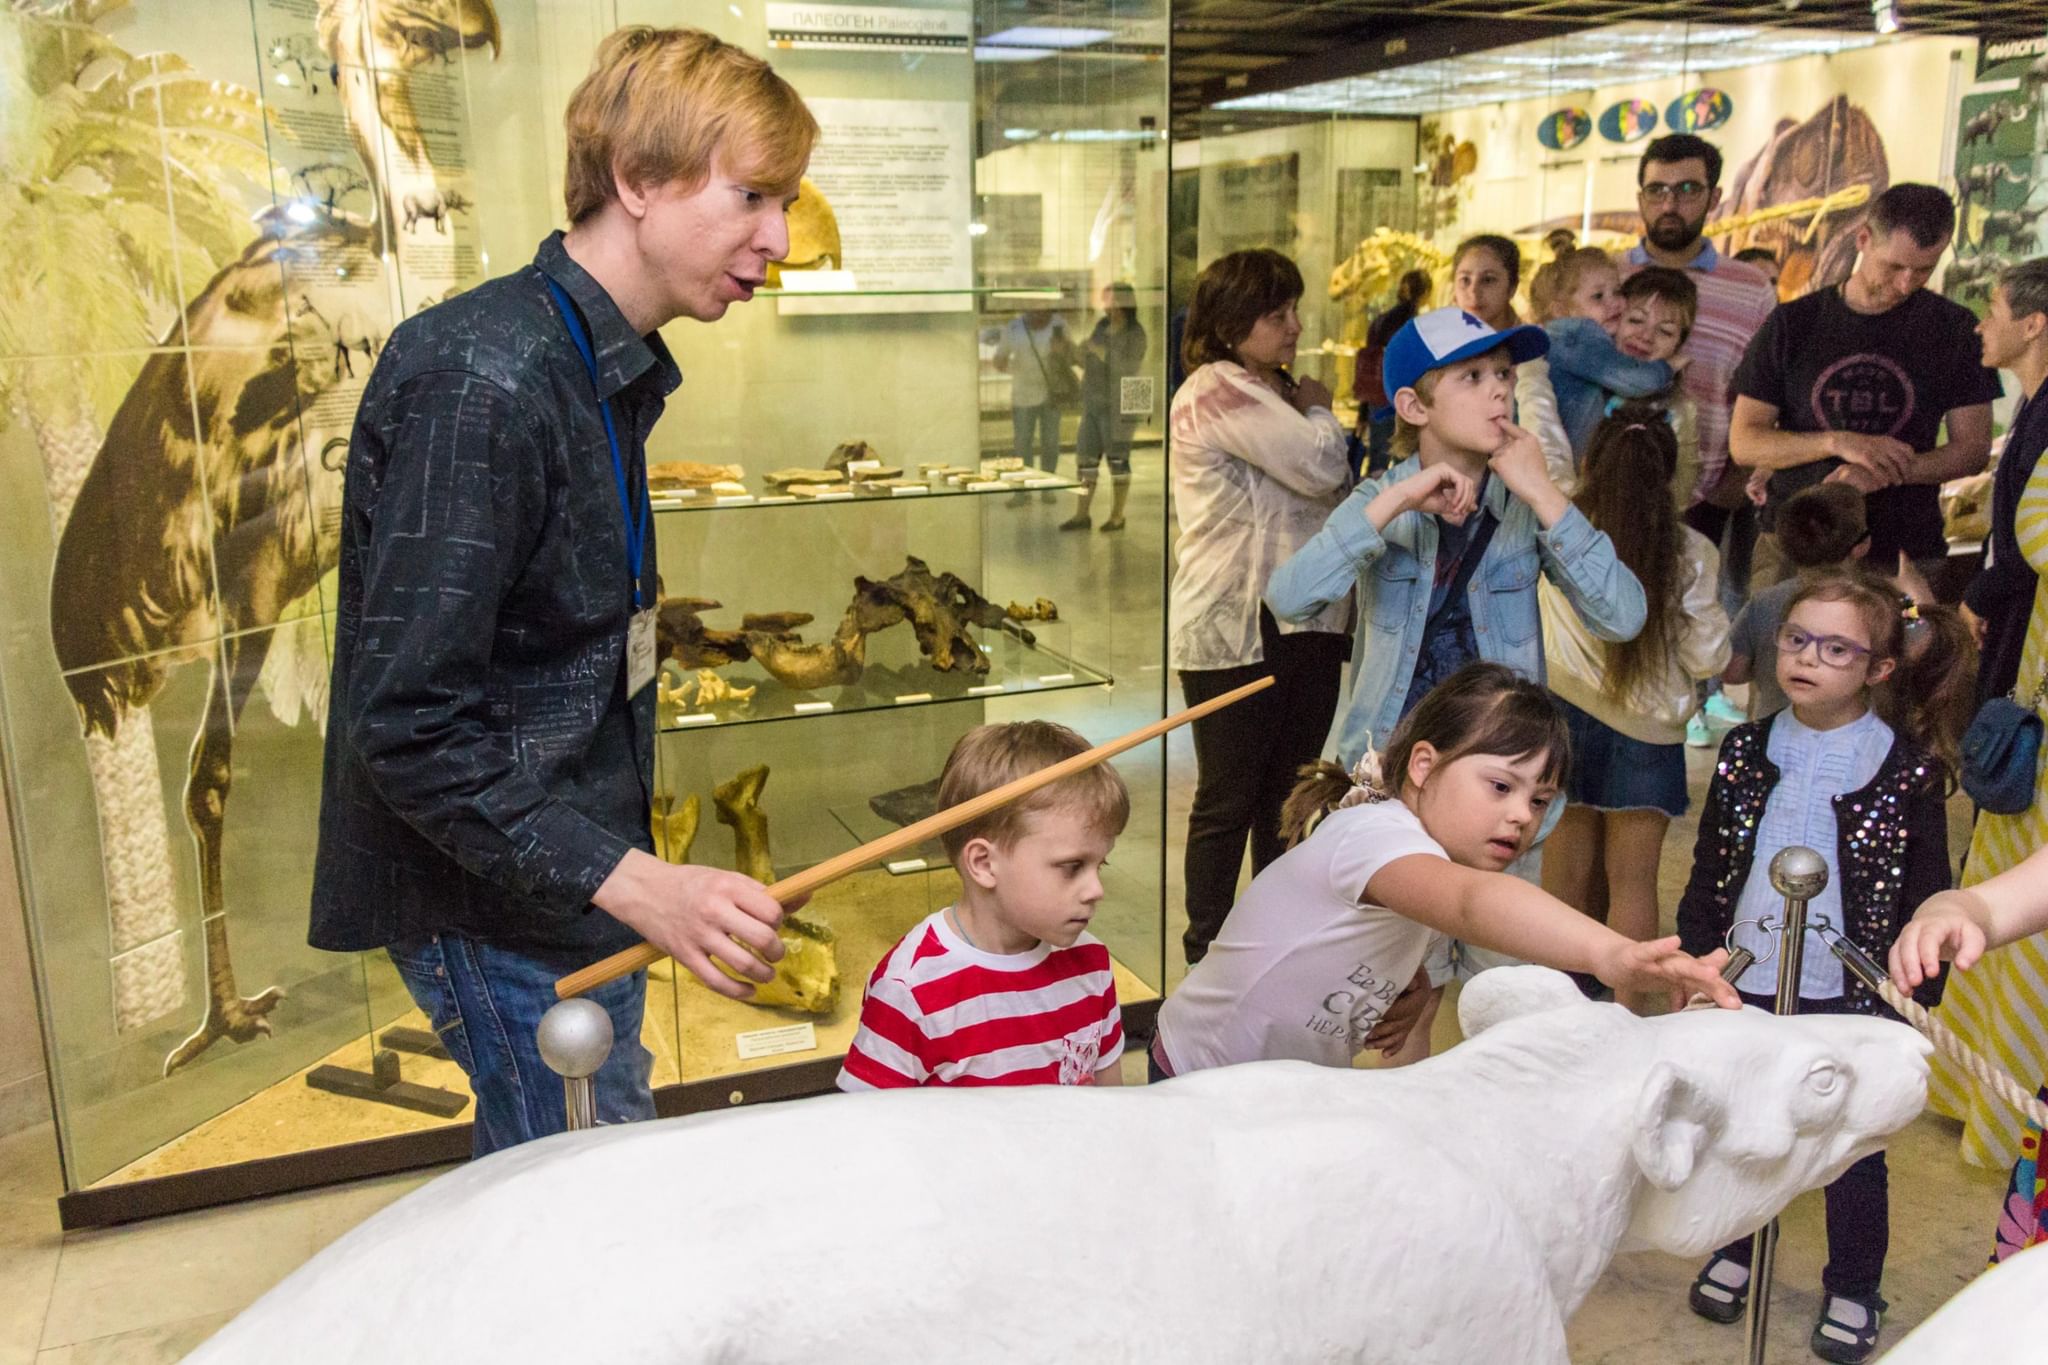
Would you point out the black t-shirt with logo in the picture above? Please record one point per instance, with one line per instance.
(1826, 367)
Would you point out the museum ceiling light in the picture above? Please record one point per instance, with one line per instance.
(1552, 67)
(1034, 35)
(1884, 16)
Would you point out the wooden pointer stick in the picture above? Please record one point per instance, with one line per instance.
(853, 860)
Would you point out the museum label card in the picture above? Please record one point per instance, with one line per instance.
(773, 1042)
(877, 28)
(640, 652)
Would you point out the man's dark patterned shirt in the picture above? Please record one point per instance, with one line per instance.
(485, 771)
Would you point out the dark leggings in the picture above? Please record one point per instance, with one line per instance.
(1246, 760)
(1859, 1204)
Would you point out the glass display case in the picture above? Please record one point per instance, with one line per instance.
(219, 210)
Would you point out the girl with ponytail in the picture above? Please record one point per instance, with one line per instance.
(1626, 704)
(1854, 768)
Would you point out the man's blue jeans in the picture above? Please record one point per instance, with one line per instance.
(1045, 417)
(486, 1002)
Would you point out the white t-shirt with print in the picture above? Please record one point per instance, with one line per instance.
(1304, 966)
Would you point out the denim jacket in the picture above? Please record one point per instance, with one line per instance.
(1586, 369)
(1394, 571)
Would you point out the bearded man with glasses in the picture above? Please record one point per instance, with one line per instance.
(1678, 189)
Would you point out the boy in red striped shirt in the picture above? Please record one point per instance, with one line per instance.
(1006, 986)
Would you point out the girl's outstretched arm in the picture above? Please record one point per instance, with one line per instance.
(1507, 914)
(1961, 925)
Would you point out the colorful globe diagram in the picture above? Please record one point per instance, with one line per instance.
(1698, 110)
(1628, 120)
(1564, 129)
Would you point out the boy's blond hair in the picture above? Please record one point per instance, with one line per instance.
(660, 103)
(1407, 437)
(989, 756)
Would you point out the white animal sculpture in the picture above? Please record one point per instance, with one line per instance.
(2001, 1318)
(1456, 1211)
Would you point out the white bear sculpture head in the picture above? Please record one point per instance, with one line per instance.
(1733, 1112)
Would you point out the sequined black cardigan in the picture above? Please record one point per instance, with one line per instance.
(1891, 849)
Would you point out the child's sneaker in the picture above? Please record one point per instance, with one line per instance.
(1848, 1327)
(1720, 1292)
(1697, 735)
(1722, 713)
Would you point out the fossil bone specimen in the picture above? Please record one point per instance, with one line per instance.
(807, 978)
(1041, 610)
(850, 452)
(939, 607)
(691, 474)
(680, 632)
(675, 827)
(813, 235)
(712, 689)
(779, 478)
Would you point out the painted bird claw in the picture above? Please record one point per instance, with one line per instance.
(239, 1018)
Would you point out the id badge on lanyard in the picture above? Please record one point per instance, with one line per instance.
(640, 651)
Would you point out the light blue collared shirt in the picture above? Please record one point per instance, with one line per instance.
(1707, 258)
(1814, 767)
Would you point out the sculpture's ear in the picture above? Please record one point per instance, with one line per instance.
(1502, 993)
(1672, 1119)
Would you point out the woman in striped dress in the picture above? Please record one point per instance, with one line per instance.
(2001, 1005)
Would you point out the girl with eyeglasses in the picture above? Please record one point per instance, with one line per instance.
(1857, 768)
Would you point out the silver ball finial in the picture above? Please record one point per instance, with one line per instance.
(575, 1037)
(1799, 873)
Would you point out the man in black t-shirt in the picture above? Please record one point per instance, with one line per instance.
(1854, 383)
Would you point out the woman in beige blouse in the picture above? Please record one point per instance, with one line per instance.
(1258, 461)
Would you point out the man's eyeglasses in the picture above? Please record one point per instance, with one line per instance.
(1834, 650)
(1685, 191)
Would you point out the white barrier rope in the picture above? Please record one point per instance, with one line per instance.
(1986, 1072)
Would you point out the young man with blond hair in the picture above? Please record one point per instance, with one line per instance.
(490, 743)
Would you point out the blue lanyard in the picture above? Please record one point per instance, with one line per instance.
(637, 528)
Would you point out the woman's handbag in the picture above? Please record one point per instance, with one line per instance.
(2002, 753)
(1062, 385)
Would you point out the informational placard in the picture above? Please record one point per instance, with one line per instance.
(1250, 204)
(873, 28)
(897, 174)
(773, 1042)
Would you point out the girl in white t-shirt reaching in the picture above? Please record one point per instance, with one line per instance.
(1314, 954)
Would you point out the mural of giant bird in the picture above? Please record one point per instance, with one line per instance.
(201, 479)
(1838, 146)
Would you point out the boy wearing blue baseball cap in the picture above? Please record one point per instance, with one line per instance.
(1444, 549)
(1445, 546)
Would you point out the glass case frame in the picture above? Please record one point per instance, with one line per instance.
(274, 93)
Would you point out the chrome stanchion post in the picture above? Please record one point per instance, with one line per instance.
(1798, 874)
(575, 1037)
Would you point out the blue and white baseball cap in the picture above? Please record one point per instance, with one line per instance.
(1444, 336)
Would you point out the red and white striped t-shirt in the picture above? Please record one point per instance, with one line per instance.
(939, 1011)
